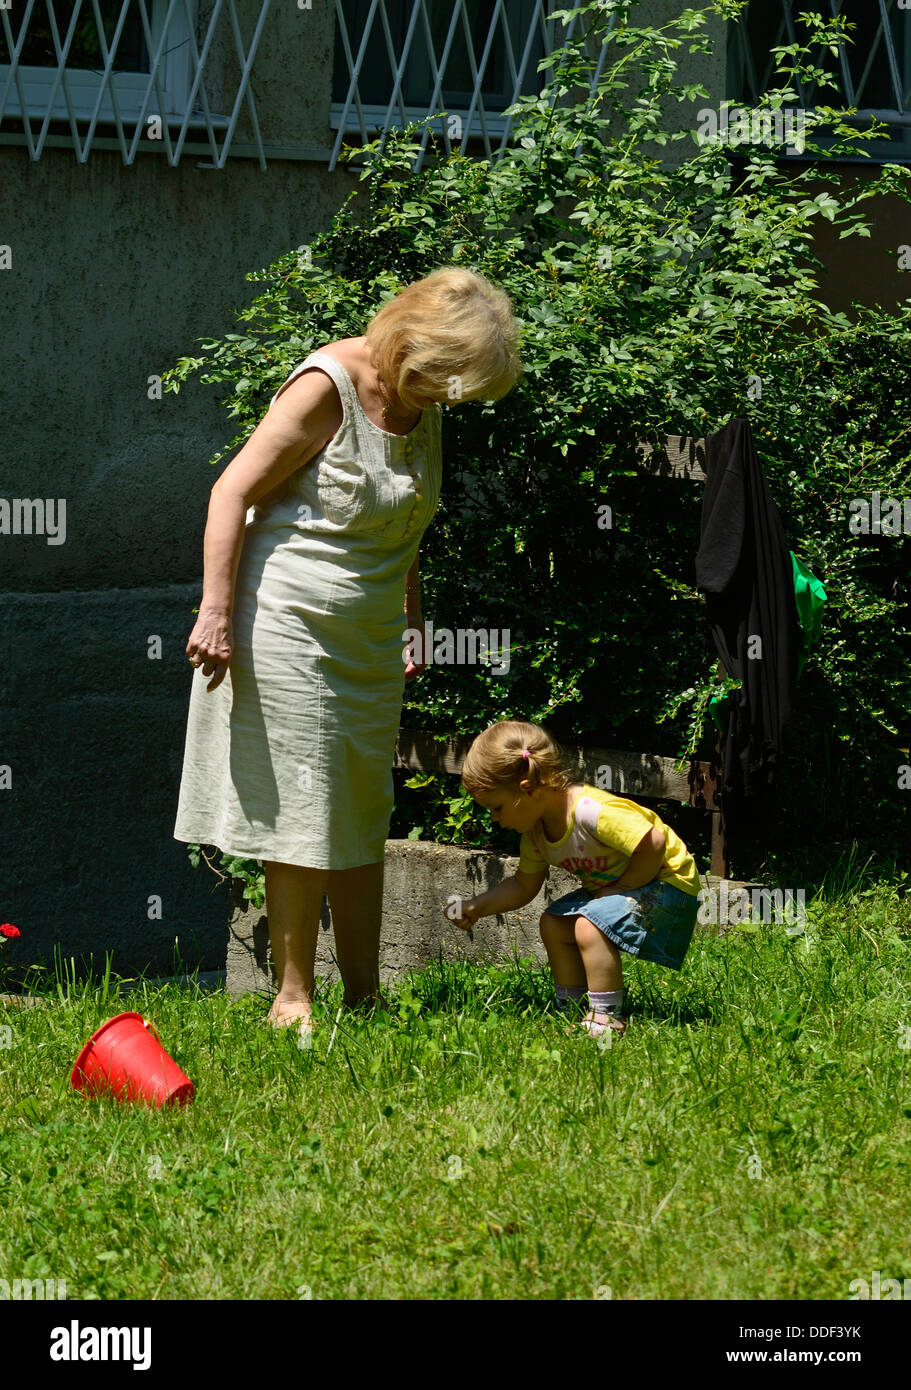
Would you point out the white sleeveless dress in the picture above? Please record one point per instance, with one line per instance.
(290, 758)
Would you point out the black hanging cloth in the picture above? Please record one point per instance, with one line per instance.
(744, 566)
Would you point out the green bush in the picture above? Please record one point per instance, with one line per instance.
(653, 297)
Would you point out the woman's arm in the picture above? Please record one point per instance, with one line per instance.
(301, 420)
(414, 617)
(287, 437)
(413, 585)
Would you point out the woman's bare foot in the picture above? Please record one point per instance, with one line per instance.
(372, 1003)
(285, 1012)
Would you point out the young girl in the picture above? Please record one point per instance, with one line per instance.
(639, 882)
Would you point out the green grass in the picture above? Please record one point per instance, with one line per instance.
(468, 1146)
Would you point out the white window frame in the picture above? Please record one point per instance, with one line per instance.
(173, 89)
(90, 95)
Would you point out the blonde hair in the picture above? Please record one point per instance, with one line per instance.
(452, 323)
(495, 758)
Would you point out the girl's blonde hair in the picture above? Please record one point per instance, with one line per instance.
(495, 758)
(452, 323)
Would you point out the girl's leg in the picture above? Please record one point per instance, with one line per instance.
(356, 903)
(600, 957)
(294, 896)
(562, 952)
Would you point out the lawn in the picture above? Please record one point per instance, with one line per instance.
(750, 1137)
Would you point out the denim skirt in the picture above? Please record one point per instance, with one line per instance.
(654, 922)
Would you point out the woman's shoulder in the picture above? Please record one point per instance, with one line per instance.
(351, 352)
(325, 387)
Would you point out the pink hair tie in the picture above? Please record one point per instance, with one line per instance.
(525, 754)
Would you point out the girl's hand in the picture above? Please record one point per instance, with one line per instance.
(464, 914)
(211, 644)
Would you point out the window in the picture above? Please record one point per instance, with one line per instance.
(85, 50)
(401, 60)
(46, 84)
(873, 72)
(137, 60)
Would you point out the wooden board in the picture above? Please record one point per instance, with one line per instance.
(617, 770)
(674, 456)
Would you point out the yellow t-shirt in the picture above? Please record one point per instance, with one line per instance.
(602, 834)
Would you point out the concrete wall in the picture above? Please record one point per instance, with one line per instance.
(419, 877)
(116, 272)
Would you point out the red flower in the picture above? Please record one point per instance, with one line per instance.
(7, 929)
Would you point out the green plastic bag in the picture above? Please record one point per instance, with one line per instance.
(809, 595)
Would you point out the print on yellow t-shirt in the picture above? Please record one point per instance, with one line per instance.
(602, 834)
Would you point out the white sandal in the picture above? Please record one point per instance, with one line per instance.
(598, 1023)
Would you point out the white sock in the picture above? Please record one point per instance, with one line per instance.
(568, 996)
(608, 1002)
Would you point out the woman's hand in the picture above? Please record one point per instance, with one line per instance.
(211, 644)
(413, 618)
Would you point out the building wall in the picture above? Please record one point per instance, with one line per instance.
(116, 272)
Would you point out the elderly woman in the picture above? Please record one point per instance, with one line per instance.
(310, 548)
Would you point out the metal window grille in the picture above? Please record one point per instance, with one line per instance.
(873, 71)
(103, 66)
(466, 61)
(120, 64)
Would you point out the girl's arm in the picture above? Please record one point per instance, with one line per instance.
(644, 863)
(512, 893)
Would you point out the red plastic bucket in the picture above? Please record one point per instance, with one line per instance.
(125, 1057)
